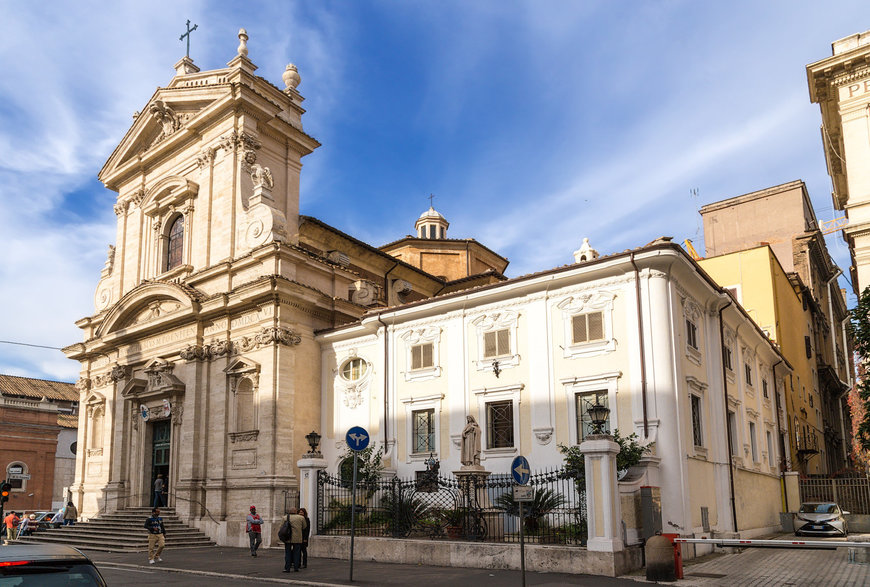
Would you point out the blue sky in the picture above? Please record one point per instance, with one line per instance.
(535, 123)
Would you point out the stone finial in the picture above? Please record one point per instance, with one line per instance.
(291, 77)
(585, 252)
(243, 43)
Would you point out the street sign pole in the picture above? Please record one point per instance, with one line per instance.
(522, 546)
(357, 439)
(353, 513)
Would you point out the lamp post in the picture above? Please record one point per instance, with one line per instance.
(598, 415)
(313, 439)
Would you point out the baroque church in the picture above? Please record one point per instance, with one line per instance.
(227, 327)
(200, 361)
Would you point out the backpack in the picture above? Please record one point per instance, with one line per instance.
(284, 532)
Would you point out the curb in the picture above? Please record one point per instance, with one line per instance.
(213, 574)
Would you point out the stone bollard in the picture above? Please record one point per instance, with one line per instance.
(660, 564)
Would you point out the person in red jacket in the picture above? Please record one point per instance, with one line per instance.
(11, 521)
(254, 529)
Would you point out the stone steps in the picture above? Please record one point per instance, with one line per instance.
(122, 531)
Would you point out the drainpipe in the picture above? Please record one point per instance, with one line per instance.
(387, 284)
(386, 381)
(642, 351)
(727, 423)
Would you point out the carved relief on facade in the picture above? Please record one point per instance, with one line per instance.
(352, 394)
(222, 347)
(244, 142)
(167, 118)
(83, 384)
(155, 310)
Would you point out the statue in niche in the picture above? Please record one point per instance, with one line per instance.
(470, 443)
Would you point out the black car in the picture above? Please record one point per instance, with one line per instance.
(44, 565)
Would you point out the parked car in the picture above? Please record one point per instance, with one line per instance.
(45, 520)
(37, 565)
(820, 517)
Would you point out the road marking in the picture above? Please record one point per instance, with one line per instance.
(126, 566)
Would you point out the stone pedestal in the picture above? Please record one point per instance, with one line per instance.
(309, 465)
(603, 514)
(474, 476)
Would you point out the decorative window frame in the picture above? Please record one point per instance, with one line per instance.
(238, 371)
(730, 337)
(353, 392)
(413, 337)
(698, 389)
(692, 313)
(489, 323)
(412, 404)
(497, 394)
(603, 381)
(572, 306)
(752, 430)
(163, 203)
(24, 470)
(749, 364)
(95, 404)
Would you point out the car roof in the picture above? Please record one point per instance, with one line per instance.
(40, 552)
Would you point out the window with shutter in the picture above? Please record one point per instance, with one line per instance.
(497, 343)
(588, 327)
(421, 356)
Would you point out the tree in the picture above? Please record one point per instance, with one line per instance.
(859, 401)
(630, 453)
(369, 467)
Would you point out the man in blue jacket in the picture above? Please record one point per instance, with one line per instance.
(156, 536)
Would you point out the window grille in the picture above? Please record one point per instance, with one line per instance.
(500, 424)
(691, 334)
(697, 435)
(423, 430)
(582, 401)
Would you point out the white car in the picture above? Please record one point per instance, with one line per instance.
(820, 517)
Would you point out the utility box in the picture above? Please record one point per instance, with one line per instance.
(650, 511)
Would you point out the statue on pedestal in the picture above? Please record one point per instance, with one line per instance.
(470, 456)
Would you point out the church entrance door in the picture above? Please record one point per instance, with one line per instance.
(160, 457)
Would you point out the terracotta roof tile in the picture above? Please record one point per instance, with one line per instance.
(68, 420)
(37, 388)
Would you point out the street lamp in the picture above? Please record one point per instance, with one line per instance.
(313, 439)
(598, 415)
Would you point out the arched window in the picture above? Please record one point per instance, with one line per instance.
(14, 473)
(175, 243)
(245, 419)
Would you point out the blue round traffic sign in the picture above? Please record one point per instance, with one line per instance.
(520, 470)
(357, 438)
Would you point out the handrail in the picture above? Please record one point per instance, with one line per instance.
(140, 495)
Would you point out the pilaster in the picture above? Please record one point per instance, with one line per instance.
(603, 511)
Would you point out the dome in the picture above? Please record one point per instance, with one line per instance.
(431, 214)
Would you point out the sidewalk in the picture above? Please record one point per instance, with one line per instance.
(211, 564)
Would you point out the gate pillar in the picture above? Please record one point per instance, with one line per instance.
(603, 515)
(309, 465)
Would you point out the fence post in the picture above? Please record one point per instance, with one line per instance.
(603, 515)
(309, 465)
(834, 490)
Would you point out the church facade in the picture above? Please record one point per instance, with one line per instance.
(227, 326)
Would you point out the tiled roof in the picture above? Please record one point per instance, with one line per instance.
(37, 388)
(68, 420)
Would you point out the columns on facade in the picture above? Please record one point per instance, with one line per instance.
(309, 466)
(603, 514)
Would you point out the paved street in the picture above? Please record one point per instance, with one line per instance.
(235, 567)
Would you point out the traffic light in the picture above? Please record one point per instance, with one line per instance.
(5, 489)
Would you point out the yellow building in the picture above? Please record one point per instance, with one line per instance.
(759, 283)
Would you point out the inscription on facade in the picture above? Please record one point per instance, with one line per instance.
(156, 341)
(855, 89)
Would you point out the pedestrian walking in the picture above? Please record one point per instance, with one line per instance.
(306, 532)
(70, 514)
(293, 548)
(156, 536)
(11, 522)
(158, 491)
(27, 525)
(253, 528)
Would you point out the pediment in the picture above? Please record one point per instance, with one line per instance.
(242, 367)
(168, 113)
(150, 302)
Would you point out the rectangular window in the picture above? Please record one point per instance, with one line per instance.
(500, 424)
(809, 347)
(421, 356)
(497, 343)
(752, 442)
(423, 430)
(764, 391)
(588, 327)
(726, 353)
(582, 402)
(769, 449)
(691, 334)
(747, 369)
(697, 433)
(732, 428)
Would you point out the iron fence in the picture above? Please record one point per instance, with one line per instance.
(470, 507)
(851, 493)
